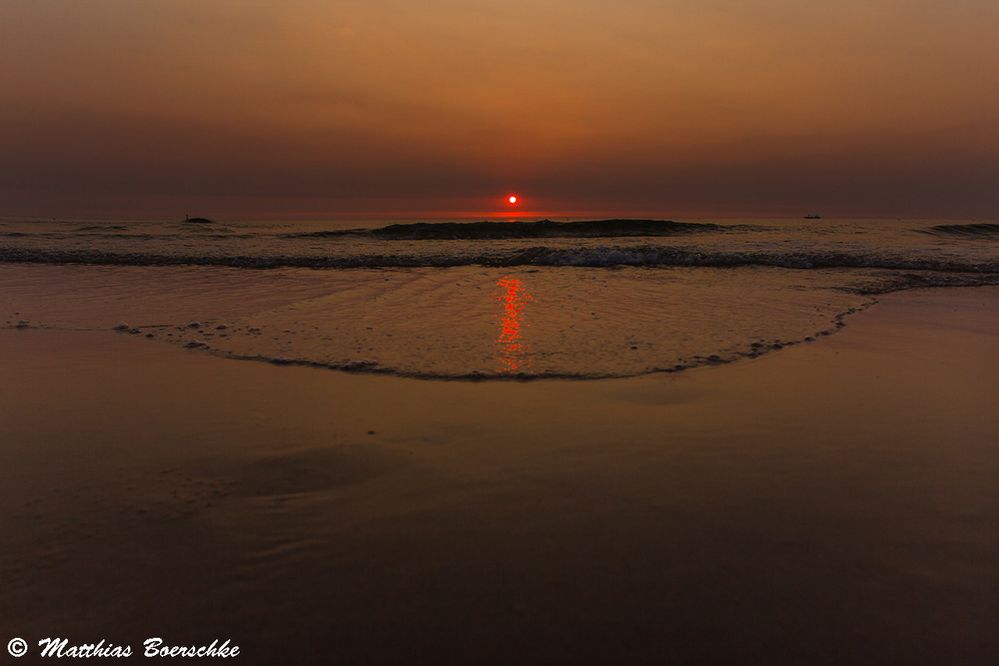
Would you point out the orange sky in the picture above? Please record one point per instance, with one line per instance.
(254, 108)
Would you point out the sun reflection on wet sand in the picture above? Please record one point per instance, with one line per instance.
(515, 297)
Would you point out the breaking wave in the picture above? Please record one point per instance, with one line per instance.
(977, 230)
(617, 228)
(597, 257)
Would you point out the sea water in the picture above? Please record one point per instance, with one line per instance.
(496, 299)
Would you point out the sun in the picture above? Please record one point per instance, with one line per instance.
(513, 199)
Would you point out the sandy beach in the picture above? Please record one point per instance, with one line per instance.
(830, 503)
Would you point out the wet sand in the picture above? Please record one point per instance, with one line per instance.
(831, 503)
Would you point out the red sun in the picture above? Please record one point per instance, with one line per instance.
(513, 199)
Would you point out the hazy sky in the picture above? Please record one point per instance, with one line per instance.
(288, 108)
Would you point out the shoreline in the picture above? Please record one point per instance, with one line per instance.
(838, 323)
(755, 511)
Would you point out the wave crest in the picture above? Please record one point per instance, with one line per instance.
(614, 228)
(977, 230)
(596, 257)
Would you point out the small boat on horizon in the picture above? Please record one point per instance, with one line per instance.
(813, 216)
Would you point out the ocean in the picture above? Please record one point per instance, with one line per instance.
(444, 299)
